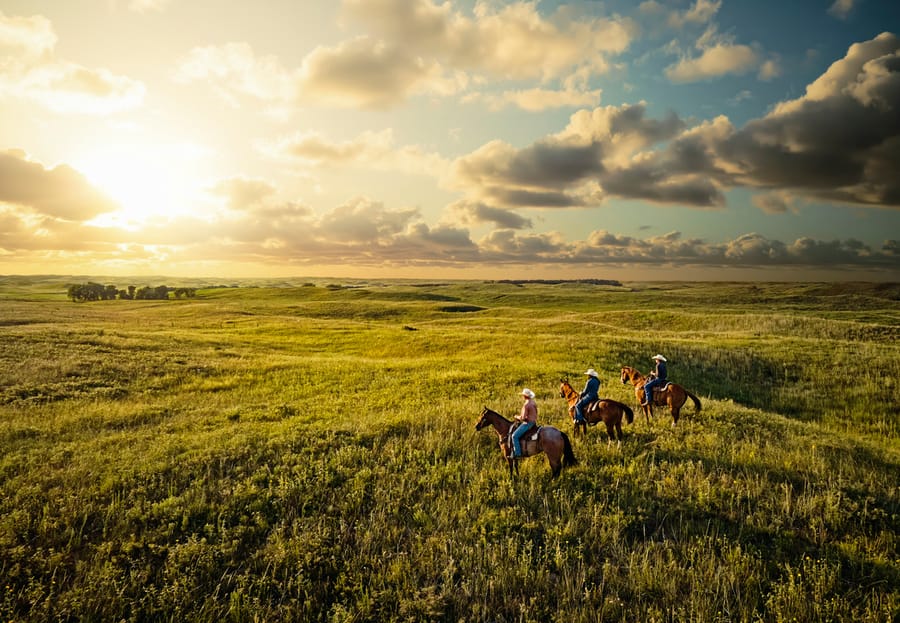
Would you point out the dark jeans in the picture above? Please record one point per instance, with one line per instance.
(580, 405)
(649, 385)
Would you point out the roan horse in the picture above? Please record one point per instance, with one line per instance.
(547, 439)
(605, 410)
(672, 394)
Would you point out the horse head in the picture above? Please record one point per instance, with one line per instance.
(488, 416)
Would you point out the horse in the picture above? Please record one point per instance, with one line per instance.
(547, 439)
(672, 394)
(605, 410)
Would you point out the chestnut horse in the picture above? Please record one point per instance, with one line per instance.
(672, 394)
(551, 441)
(605, 410)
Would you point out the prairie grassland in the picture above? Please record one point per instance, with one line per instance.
(307, 453)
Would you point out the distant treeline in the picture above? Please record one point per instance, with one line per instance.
(592, 282)
(81, 292)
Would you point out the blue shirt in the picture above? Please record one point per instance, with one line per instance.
(661, 370)
(591, 388)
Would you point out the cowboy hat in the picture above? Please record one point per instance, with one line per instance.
(591, 372)
(528, 392)
(658, 357)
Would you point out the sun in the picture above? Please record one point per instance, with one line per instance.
(150, 181)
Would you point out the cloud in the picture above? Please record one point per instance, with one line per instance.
(364, 232)
(537, 99)
(841, 8)
(840, 143)
(243, 193)
(714, 62)
(591, 159)
(235, 70)
(373, 150)
(30, 70)
(364, 221)
(419, 48)
(58, 193)
(701, 12)
(508, 41)
(474, 213)
(777, 202)
(142, 6)
(769, 70)
(368, 73)
(28, 38)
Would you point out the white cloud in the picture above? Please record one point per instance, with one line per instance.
(368, 73)
(234, 70)
(777, 202)
(537, 99)
(769, 70)
(841, 8)
(142, 6)
(30, 70)
(701, 12)
(418, 48)
(373, 150)
(714, 62)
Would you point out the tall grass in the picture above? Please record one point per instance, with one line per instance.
(309, 454)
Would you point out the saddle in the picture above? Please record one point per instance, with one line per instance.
(532, 434)
(590, 407)
(528, 441)
(659, 390)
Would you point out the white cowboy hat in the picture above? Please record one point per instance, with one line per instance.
(591, 372)
(658, 357)
(528, 392)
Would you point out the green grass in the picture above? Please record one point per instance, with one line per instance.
(308, 452)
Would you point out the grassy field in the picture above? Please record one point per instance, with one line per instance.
(306, 452)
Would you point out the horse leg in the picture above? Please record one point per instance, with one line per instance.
(610, 433)
(676, 411)
(619, 431)
(555, 465)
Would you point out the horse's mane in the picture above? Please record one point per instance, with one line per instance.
(497, 414)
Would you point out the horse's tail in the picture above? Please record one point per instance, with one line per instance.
(629, 414)
(568, 456)
(695, 399)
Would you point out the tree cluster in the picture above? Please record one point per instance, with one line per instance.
(82, 292)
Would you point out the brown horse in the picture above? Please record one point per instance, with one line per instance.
(547, 439)
(672, 394)
(605, 410)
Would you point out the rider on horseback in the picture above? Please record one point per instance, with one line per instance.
(658, 380)
(528, 419)
(589, 394)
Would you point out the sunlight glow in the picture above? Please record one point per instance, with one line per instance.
(150, 181)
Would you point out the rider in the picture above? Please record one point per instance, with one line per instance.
(659, 379)
(588, 395)
(528, 418)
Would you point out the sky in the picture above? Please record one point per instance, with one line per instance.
(485, 139)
